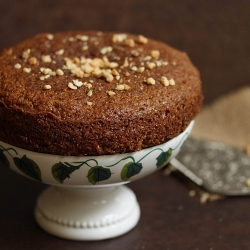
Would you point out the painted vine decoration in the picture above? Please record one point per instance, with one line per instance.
(24, 164)
(96, 173)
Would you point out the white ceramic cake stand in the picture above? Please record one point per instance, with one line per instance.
(87, 199)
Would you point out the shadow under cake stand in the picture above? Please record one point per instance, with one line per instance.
(87, 199)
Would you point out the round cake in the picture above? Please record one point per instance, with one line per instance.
(95, 93)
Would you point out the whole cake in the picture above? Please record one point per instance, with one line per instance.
(95, 93)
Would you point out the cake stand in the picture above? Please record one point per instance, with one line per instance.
(87, 199)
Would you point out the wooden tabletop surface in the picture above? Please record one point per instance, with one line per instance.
(216, 36)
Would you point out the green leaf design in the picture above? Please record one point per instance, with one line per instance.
(163, 158)
(62, 171)
(98, 173)
(130, 169)
(28, 167)
(4, 159)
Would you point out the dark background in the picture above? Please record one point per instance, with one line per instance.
(216, 36)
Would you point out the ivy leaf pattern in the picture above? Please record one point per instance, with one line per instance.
(163, 158)
(130, 169)
(28, 167)
(98, 173)
(4, 159)
(61, 171)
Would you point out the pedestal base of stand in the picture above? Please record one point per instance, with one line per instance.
(87, 213)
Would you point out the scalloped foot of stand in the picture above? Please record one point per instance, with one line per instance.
(87, 213)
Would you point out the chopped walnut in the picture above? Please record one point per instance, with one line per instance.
(105, 61)
(72, 86)
(120, 87)
(97, 72)
(46, 71)
(108, 76)
(126, 87)
(134, 68)
(47, 86)
(147, 58)
(88, 85)
(90, 93)
(26, 53)
(82, 38)
(50, 36)
(117, 38)
(46, 59)
(60, 52)
(42, 78)
(135, 52)
(171, 82)
(27, 70)
(17, 66)
(142, 39)
(155, 53)
(59, 72)
(151, 81)
(32, 60)
(115, 72)
(77, 83)
(164, 81)
(97, 63)
(110, 92)
(113, 65)
(150, 65)
(140, 69)
(130, 42)
(87, 68)
(77, 72)
(105, 50)
(158, 63)
(71, 39)
(204, 198)
(85, 47)
(126, 63)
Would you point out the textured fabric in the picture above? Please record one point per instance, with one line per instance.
(226, 120)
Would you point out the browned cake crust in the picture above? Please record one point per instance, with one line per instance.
(94, 93)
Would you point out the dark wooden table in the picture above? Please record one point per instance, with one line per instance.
(170, 218)
(216, 36)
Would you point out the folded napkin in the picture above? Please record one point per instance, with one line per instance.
(226, 120)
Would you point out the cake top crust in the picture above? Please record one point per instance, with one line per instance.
(91, 75)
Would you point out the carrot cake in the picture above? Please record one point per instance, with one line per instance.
(95, 93)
